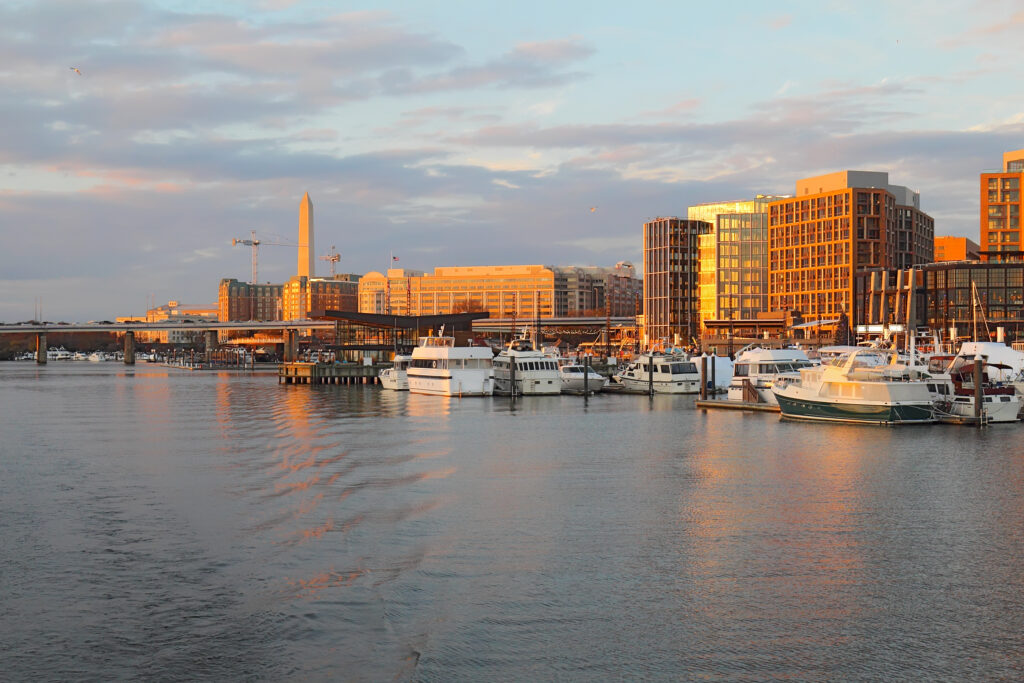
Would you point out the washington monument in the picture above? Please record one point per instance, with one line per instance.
(306, 251)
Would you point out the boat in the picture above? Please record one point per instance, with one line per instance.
(53, 354)
(440, 368)
(396, 377)
(522, 369)
(1000, 401)
(577, 377)
(860, 387)
(666, 374)
(757, 368)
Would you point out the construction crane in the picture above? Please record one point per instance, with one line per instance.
(333, 256)
(255, 244)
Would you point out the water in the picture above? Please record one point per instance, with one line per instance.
(165, 525)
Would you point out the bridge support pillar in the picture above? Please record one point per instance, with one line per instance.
(211, 344)
(129, 348)
(291, 343)
(41, 348)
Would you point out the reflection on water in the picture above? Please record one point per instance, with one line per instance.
(166, 525)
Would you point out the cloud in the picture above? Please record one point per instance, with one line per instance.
(982, 35)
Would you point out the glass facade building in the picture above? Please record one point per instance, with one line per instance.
(671, 279)
(733, 258)
(943, 298)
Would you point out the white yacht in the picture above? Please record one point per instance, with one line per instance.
(574, 380)
(668, 374)
(532, 371)
(396, 377)
(861, 386)
(440, 368)
(58, 354)
(756, 369)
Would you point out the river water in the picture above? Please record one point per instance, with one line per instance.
(164, 525)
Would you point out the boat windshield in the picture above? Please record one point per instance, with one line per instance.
(437, 341)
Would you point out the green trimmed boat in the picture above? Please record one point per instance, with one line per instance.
(855, 388)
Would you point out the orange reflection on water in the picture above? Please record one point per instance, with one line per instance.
(779, 520)
(434, 407)
(306, 588)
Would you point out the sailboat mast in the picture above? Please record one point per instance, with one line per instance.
(974, 308)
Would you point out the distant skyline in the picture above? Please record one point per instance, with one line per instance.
(461, 133)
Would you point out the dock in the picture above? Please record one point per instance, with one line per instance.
(737, 405)
(329, 373)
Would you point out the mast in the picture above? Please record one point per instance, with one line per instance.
(974, 308)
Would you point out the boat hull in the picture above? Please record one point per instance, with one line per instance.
(864, 413)
(994, 409)
(574, 385)
(463, 384)
(633, 386)
(541, 386)
(396, 380)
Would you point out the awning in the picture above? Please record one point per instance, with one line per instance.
(814, 323)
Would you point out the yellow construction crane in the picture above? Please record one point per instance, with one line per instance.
(255, 244)
(333, 256)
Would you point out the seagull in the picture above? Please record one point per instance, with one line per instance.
(77, 71)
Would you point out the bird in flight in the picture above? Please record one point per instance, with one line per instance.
(77, 71)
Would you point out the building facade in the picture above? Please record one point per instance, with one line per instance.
(244, 301)
(956, 249)
(526, 291)
(672, 279)
(1001, 207)
(300, 295)
(944, 299)
(836, 225)
(733, 258)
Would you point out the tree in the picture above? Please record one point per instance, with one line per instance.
(843, 335)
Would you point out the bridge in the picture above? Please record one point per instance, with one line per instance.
(129, 329)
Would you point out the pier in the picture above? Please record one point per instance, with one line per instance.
(737, 405)
(329, 373)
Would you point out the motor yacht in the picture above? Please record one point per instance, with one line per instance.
(396, 377)
(672, 374)
(577, 377)
(440, 368)
(863, 386)
(522, 369)
(756, 370)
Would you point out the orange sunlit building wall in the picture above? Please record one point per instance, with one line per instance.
(837, 224)
(1001, 206)
(956, 249)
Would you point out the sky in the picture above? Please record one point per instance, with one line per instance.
(459, 132)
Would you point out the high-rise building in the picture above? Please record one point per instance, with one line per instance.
(671, 279)
(307, 253)
(243, 301)
(1001, 208)
(836, 225)
(300, 295)
(956, 249)
(733, 258)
